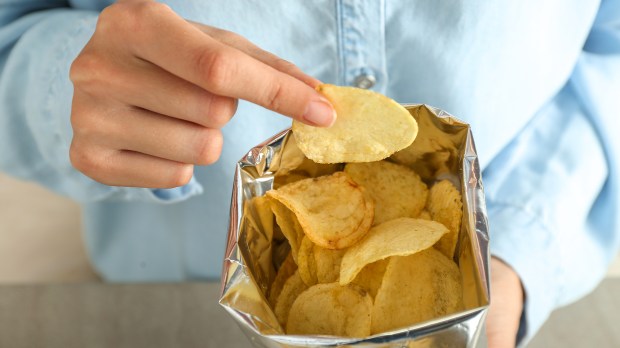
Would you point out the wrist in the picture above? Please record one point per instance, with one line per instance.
(507, 300)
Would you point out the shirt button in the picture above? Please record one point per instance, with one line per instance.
(364, 81)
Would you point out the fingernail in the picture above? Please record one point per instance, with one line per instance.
(320, 113)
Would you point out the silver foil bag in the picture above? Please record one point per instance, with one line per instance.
(443, 149)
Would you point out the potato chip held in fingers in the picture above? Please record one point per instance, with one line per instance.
(369, 127)
(398, 237)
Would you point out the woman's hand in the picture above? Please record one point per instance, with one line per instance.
(152, 91)
(506, 305)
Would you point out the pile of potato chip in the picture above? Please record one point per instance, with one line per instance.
(371, 246)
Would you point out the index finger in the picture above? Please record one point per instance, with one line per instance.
(180, 48)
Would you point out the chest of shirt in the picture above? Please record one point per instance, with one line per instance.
(491, 63)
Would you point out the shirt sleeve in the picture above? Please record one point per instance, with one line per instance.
(38, 42)
(553, 193)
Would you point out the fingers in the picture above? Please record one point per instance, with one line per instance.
(138, 148)
(151, 92)
(166, 137)
(175, 97)
(137, 130)
(149, 87)
(130, 169)
(506, 306)
(225, 70)
(243, 44)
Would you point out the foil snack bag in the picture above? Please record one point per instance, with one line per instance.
(443, 149)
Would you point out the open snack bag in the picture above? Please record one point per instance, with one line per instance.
(371, 233)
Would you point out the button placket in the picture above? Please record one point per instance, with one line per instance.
(364, 80)
(362, 43)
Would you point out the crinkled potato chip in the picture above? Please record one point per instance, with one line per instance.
(371, 276)
(289, 225)
(331, 309)
(333, 210)
(416, 288)
(293, 287)
(397, 190)
(445, 206)
(369, 127)
(306, 262)
(328, 264)
(398, 237)
(285, 271)
(318, 264)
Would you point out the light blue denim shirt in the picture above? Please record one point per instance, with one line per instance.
(538, 81)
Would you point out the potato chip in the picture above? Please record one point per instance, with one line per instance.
(331, 309)
(292, 288)
(397, 190)
(369, 127)
(371, 276)
(328, 264)
(289, 225)
(306, 262)
(416, 288)
(285, 271)
(398, 237)
(445, 206)
(333, 210)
